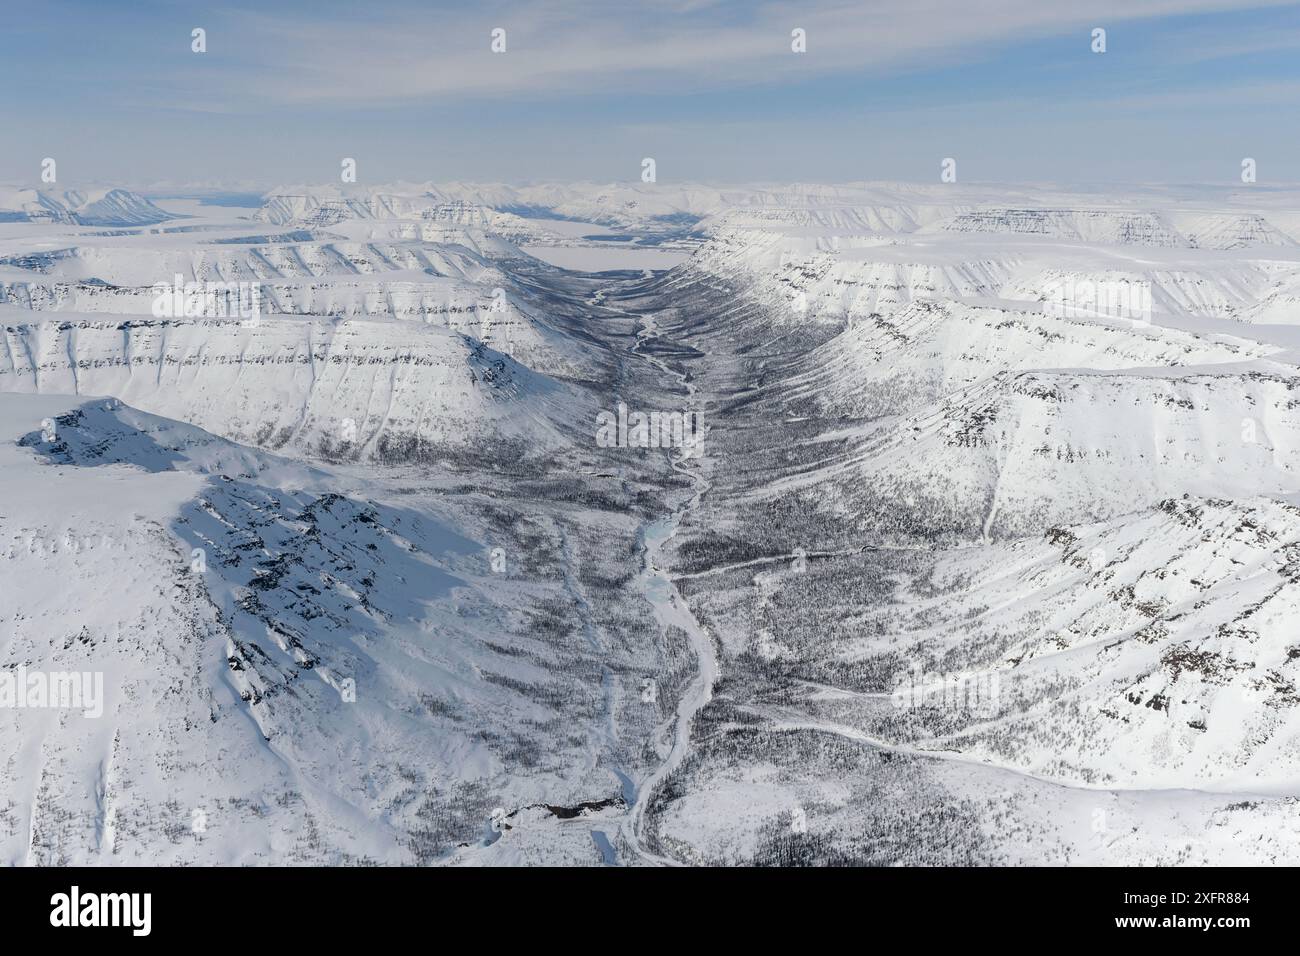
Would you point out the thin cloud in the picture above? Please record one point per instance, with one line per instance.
(577, 47)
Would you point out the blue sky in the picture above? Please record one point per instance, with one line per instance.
(712, 91)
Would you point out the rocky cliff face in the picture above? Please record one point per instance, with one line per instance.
(104, 207)
(343, 388)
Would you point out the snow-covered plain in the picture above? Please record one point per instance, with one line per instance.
(364, 587)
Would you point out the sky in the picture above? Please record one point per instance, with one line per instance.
(712, 91)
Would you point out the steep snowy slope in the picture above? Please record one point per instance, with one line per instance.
(332, 387)
(289, 674)
(1229, 231)
(803, 273)
(1152, 651)
(826, 279)
(885, 364)
(1109, 227)
(132, 262)
(429, 210)
(1279, 305)
(328, 205)
(101, 207)
(1022, 451)
(445, 284)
